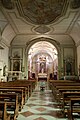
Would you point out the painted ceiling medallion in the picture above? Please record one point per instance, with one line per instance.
(42, 29)
(42, 11)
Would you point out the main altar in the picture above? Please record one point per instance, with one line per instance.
(42, 76)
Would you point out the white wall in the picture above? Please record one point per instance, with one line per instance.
(78, 56)
(3, 60)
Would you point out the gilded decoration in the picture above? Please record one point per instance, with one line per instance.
(43, 11)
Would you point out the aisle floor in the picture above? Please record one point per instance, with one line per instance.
(41, 106)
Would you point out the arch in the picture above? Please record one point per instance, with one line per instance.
(49, 40)
(53, 42)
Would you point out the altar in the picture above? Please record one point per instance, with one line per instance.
(42, 76)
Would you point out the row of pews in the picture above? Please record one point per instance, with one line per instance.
(13, 96)
(67, 94)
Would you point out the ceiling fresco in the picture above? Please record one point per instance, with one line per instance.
(43, 11)
(39, 18)
(75, 4)
(9, 4)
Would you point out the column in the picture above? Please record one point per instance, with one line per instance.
(0, 74)
(20, 64)
(11, 64)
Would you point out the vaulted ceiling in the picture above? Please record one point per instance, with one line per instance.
(24, 20)
(48, 48)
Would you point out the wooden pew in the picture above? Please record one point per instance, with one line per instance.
(74, 107)
(67, 89)
(19, 83)
(62, 85)
(66, 99)
(66, 84)
(18, 91)
(59, 93)
(70, 89)
(11, 87)
(55, 85)
(11, 103)
(55, 81)
(62, 82)
(15, 85)
(25, 96)
(55, 89)
(33, 82)
(52, 82)
(29, 84)
(3, 113)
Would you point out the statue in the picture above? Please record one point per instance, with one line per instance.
(42, 67)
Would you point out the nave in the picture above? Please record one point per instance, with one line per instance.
(41, 106)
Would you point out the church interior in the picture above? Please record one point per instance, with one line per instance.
(39, 59)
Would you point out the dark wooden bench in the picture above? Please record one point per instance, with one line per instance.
(54, 83)
(19, 84)
(32, 82)
(59, 92)
(66, 99)
(55, 89)
(74, 107)
(3, 113)
(25, 84)
(22, 88)
(28, 84)
(17, 91)
(11, 102)
(19, 88)
(59, 89)
(64, 92)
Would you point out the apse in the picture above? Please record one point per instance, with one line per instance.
(42, 59)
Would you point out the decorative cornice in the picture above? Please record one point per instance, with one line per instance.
(78, 44)
(4, 43)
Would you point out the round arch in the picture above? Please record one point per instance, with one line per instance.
(49, 40)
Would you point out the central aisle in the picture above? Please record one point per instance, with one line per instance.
(41, 106)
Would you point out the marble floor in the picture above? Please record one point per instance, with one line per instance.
(41, 106)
